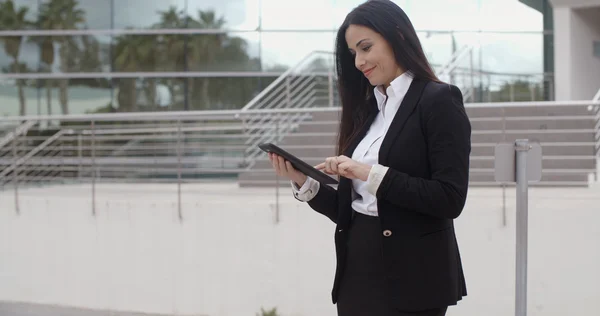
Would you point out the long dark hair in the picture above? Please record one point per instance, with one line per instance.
(356, 93)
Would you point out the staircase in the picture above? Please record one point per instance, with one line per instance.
(567, 134)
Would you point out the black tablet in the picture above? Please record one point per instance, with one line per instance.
(299, 164)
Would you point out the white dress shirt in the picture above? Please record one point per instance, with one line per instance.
(363, 194)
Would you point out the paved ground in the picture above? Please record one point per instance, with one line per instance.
(564, 255)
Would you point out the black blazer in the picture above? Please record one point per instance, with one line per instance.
(427, 149)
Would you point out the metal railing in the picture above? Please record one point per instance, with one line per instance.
(195, 145)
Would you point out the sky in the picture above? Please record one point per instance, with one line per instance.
(502, 52)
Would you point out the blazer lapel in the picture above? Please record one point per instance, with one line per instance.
(406, 108)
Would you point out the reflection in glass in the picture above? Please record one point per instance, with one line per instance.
(17, 14)
(177, 94)
(56, 96)
(223, 52)
(133, 53)
(284, 50)
(139, 14)
(297, 15)
(80, 53)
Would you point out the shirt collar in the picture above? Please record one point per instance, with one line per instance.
(397, 89)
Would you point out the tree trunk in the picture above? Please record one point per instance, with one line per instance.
(22, 105)
(190, 92)
(63, 95)
(205, 95)
(151, 93)
(49, 96)
(127, 95)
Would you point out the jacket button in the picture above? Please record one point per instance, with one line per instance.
(387, 233)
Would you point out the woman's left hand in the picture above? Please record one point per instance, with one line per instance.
(345, 167)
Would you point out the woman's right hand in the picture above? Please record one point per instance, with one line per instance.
(284, 168)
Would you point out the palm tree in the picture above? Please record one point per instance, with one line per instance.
(12, 18)
(172, 47)
(60, 15)
(136, 53)
(205, 49)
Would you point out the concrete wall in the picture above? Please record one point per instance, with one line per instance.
(577, 71)
(228, 257)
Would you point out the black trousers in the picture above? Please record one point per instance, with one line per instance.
(362, 288)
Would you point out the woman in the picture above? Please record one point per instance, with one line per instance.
(403, 162)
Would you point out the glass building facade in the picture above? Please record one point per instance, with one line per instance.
(86, 56)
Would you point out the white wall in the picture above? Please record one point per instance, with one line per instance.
(577, 71)
(586, 30)
(228, 258)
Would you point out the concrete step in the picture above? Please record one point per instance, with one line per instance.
(319, 127)
(528, 111)
(475, 180)
(533, 124)
(546, 177)
(542, 136)
(547, 163)
(329, 139)
(562, 150)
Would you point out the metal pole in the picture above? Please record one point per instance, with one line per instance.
(179, 170)
(276, 176)
(472, 73)
(16, 171)
(93, 168)
(79, 155)
(522, 148)
(330, 79)
(503, 185)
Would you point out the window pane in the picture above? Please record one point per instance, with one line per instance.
(443, 14)
(31, 7)
(16, 95)
(235, 14)
(512, 53)
(494, 14)
(169, 94)
(224, 52)
(224, 93)
(282, 50)
(82, 53)
(132, 53)
(437, 47)
(90, 14)
(148, 94)
(297, 15)
(58, 96)
(139, 14)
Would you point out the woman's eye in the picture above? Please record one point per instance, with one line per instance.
(366, 49)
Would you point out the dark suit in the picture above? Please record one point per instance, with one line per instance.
(427, 149)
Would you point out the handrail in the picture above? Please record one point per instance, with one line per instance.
(231, 114)
(193, 144)
(23, 128)
(280, 79)
(35, 151)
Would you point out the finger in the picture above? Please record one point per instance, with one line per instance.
(276, 166)
(334, 165)
(282, 165)
(344, 169)
(320, 166)
(342, 158)
(290, 168)
(328, 163)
